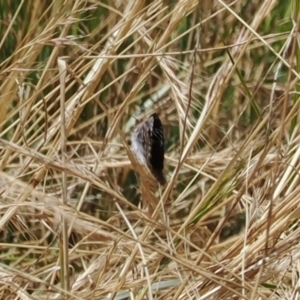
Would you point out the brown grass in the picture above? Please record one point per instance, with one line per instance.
(77, 222)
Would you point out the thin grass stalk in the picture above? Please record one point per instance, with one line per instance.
(63, 236)
(296, 22)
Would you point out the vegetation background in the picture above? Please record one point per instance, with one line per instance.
(80, 219)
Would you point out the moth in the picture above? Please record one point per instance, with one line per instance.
(148, 145)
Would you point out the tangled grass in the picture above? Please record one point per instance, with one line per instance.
(80, 219)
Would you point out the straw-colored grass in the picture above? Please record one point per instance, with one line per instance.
(80, 219)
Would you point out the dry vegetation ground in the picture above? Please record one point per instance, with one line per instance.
(77, 222)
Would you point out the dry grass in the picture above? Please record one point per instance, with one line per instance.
(224, 78)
